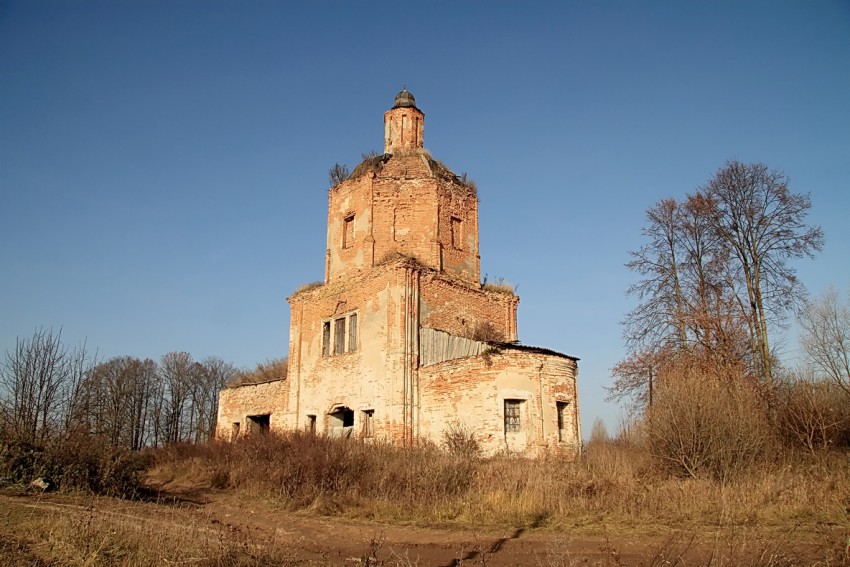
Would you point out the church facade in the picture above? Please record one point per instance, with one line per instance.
(402, 342)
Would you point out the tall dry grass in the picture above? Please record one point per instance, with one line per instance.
(616, 483)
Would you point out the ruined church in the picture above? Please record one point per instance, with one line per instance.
(402, 342)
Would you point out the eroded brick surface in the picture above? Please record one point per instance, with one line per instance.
(403, 255)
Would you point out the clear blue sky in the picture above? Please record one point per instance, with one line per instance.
(163, 165)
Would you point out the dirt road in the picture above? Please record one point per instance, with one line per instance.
(242, 527)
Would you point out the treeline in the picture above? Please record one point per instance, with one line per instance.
(49, 391)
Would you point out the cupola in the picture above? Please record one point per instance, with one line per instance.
(403, 125)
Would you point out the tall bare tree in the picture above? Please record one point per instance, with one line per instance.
(714, 276)
(178, 372)
(214, 374)
(763, 226)
(660, 316)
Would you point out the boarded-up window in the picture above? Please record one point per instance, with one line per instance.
(339, 336)
(563, 421)
(326, 338)
(348, 232)
(457, 233)
(513, 411)
(368, 423)
(352, 332)
(341, 422)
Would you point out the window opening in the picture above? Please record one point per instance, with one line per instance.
(513, 410)
(457, 236)
(311, 424)
(259, 423)
(234, 431)
(368, 423)
(348, 232)
(326, 338)
(352, 332)
(341, 422)
(563, 419)
(339, 336)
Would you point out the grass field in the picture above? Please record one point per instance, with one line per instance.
(303, 500)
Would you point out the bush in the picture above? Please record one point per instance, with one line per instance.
(460, 441)
(79, 462)
(813, 414)
(703, 427)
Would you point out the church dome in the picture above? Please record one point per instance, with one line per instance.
(404, 99)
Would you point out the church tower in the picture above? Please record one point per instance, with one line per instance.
(403, 203)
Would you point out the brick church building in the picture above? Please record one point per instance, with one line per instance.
(402, 342)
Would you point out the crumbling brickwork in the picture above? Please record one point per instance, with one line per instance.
(403, 263)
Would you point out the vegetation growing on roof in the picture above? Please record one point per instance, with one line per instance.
(308, 286)
(337, 174)
(268, 371)
(372, 162)
(499, 285)
(394, 255)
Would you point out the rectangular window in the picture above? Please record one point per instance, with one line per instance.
(563, 420)
(348, 232)
(339, 336)
(326, 338)
(457, 236)
(311, 424)
(513, 411)
(259, 423)
(352, 332)
(234, 433)
(368, 423)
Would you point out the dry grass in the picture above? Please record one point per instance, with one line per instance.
(616, 484)
(308, 286)
(98, 531)
(499, 287)
(798, 501)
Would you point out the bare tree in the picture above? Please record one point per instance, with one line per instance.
(660, 316)
(178, 373)
(685, 309)
(826, 337)
(214, 374)
(38, 380)
(337, 174)
(119, 395)
(763, 225)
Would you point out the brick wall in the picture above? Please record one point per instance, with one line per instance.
(471, 392)
(236, 404)
(458, 308)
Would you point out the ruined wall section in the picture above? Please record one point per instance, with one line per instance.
(457, 221)
(471, 393)
(236, 404)
(459, 308)
(371, 377)
(350, 243)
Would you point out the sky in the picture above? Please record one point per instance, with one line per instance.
(164, 165)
